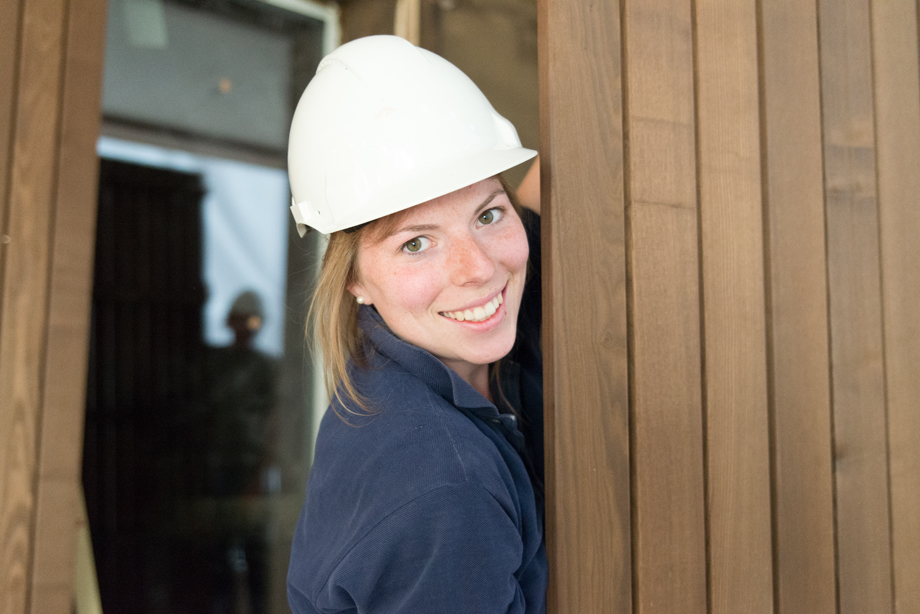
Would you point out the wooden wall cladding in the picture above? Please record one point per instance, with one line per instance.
(50, 77)
(26, 273)
(732, 274)
(796, 304)
(585, 340)
(665, 354)
(770, 156)
(732, 333)
(897, 140)
(855, 302)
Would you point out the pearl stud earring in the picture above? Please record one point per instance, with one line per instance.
(360, 300)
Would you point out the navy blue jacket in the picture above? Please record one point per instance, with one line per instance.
(432, 503)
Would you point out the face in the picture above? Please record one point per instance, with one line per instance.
(449, 279)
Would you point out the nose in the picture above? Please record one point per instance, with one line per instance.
(470, 262)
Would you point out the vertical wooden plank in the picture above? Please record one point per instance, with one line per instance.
(9, 55)
(731, 221)
(25, 288)
(9, 48)
(52, 601)
(857, 375)
(897, 122)
(66, 351)
(669, 549)
(585, 343)
(797, 309)
(55, 534)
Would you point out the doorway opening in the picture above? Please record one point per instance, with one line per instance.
(202, 395)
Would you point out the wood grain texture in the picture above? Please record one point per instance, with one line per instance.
(585, 342)
(731, 223)
(797, 310)
(857, 375)
(25, 289)
(669, 549)
(61, 434)
(55, 540)
(53, 599)
(897, 122)
(9, 55)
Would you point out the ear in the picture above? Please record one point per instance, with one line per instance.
(357, 290)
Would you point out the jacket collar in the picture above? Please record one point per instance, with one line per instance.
(420, 363)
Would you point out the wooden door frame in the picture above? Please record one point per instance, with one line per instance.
(48, 215)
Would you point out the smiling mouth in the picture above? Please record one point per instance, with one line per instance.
(477, 314)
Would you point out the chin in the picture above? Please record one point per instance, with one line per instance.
(493, 353)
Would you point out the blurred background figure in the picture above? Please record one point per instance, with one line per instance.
(240, 403)
(238, 435)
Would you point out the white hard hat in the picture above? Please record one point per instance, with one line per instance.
(384, 126)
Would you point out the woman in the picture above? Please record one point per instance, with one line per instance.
(426, 489)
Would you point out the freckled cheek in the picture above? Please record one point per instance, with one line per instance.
(414, 289)
(514, 250)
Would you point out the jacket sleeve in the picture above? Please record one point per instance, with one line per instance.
(453, 549)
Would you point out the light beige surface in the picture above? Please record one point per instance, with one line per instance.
(86, 586)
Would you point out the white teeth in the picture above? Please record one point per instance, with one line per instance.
(477, 314)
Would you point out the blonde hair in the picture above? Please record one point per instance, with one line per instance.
(333, 312)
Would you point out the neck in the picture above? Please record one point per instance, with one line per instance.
(476, 376)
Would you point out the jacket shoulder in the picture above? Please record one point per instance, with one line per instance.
(412, 445)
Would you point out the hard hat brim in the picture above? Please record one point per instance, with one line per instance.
(423, 187)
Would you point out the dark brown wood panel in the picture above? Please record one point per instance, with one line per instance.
(735, 383)
(69, 314)
(25, 288)
(897, 121)
(803, 503)
(857, 373)
(669, 549)
(585, 344)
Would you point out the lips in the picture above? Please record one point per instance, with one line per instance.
(476, 314)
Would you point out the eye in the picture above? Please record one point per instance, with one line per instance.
(416, 245)
(491, 216)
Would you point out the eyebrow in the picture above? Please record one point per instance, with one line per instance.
(488, 201)
(427, 227)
